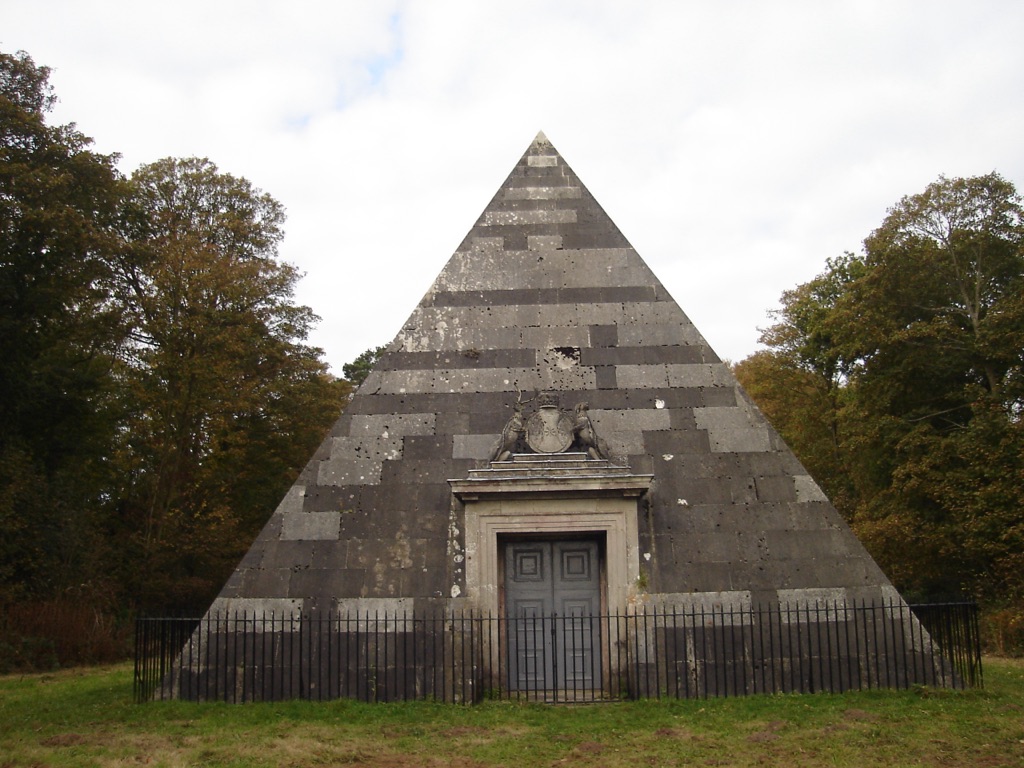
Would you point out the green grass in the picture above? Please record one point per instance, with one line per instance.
(86, 717)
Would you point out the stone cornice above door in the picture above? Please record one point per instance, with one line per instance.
(558, 476)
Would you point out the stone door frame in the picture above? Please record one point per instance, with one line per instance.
(613, 519)
(551, 497)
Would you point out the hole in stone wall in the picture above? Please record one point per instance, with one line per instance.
(569, 353)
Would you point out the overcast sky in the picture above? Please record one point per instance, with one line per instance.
(737, 145)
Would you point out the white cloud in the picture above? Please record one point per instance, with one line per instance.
(737, 145)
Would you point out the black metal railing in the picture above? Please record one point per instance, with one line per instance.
(650, 653)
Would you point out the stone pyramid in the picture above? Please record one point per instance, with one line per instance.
(692, 497)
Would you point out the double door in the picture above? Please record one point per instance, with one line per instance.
(552, 610)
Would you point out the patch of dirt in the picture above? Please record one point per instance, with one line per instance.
(835, 728)
(762, 736)
(64, 740)
(672, 733)
(408, 761)
(590, 748)
(466, 730)
(859, 714)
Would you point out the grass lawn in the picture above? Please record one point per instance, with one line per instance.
(86, 717)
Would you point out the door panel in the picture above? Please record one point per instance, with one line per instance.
(552, 599)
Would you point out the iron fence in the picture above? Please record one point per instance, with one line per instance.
(649, 653)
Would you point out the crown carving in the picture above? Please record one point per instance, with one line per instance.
(547, 400)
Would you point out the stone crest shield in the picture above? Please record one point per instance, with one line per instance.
(549, 430)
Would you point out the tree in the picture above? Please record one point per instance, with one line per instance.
(156, 394)
(226, 402)
(939, 361)
(941, 305)
(919, 345)
(357, 371)
(58, 332)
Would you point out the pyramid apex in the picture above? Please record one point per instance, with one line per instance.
(541, 138)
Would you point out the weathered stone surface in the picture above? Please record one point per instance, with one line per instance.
(733, 430)
(256, 606)
(310, 526)
(344, 471)
(544, 292)
(474, 446)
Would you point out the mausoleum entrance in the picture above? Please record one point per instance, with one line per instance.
(551, 546)
(552, 606)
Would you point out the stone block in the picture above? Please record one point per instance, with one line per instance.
(329, 554)
(425, 446)
(697, 375)
(642, 376)
(292, 501)
(743, 488)
(541, 339)
(544, 242)
(652, 313)
(349, 472)
(542, 193)
(778, 488)
(393, 425)
(604, 377)
(810, 597)
(256, 606)
(268, 582)
(287, 553)
(721, 397)
(664, 443)
(715, 577)
(422, 583)
(474, 446)
(605, 313)
(736, 600)
(656, 334)
(376, 447)
(310, 526)
(542, 161)
(626, 429)
(732, 429)
(327, 498)
(613, 355)
(363, 553)
(517, 218)
(682, 419)
(795, 545)
(704, 490)
(803, 516)
(807, 489)
(454, 423)
(604, 335)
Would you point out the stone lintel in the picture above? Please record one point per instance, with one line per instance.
(553, 487)
(551, 476)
